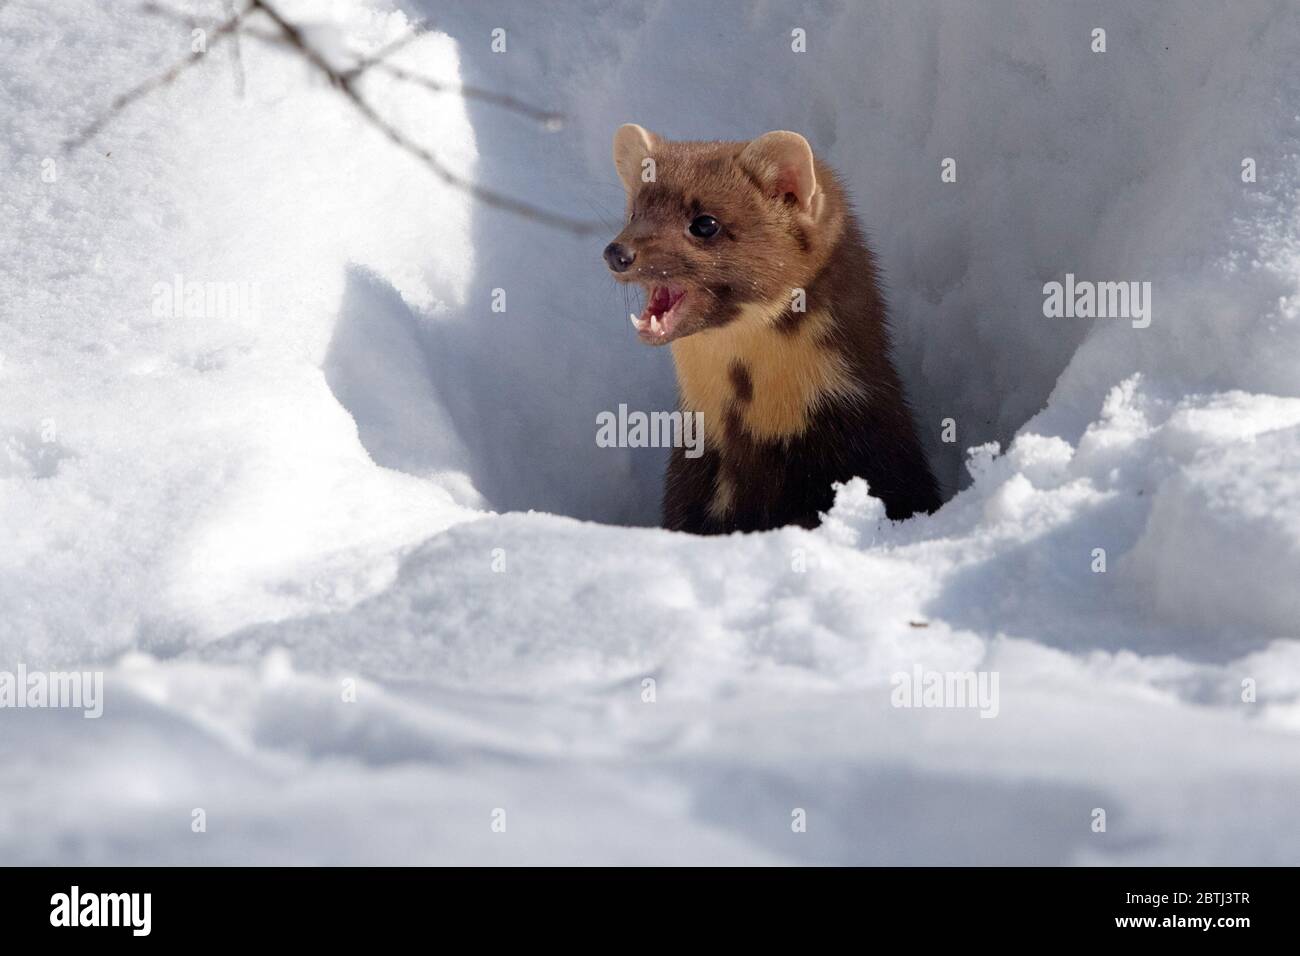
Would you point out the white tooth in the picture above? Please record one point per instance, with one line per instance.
(636, 323)
(654, 325)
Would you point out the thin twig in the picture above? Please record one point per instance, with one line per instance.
(344, 83)
(200, 22)
(236, 55)
(192, 21)
(383, 53)
(165, 78)
(551, 120)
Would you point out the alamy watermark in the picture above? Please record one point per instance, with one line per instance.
(130, 910)
(651, 430)
(193, 299)
(946, 689)
(1073, 299)
(83, 690)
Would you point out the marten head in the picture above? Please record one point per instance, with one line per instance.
(715, 227)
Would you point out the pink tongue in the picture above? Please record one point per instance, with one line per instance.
(659, 305)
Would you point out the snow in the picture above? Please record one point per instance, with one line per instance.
(359, 575)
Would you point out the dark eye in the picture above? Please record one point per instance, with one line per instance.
(703, 227)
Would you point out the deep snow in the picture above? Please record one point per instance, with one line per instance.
(235, 518)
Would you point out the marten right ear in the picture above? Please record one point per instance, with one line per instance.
(632, 146)
(783, 162)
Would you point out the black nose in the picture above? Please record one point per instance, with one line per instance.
(619, 256)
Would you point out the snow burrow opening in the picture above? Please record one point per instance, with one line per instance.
(1066, 161)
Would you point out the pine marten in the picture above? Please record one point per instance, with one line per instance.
(758, 278)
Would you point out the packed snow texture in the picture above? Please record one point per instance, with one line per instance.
(362, 583)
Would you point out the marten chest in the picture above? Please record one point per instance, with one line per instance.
(760, 378)
(759, 385)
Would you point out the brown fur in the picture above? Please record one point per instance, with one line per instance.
(792, 400)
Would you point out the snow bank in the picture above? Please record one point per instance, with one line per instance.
(177, 472)
(272, 529)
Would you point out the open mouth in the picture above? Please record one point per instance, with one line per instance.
(658, 320)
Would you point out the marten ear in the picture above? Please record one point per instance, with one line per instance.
(783, 162)
(632, 144)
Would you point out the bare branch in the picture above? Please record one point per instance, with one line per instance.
(199, 22)
(178, 16)
(236, 54)
(344, 83)
(287, 34)
(192, 21)
(382, 60)
(165, 78)
(385, 52)
(551, 120)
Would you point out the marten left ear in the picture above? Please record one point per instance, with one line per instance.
(632, 145)
(783, 162)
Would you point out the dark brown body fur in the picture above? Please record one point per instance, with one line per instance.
(788, 481)
(794, 401)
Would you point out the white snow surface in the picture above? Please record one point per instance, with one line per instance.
(377, 487)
